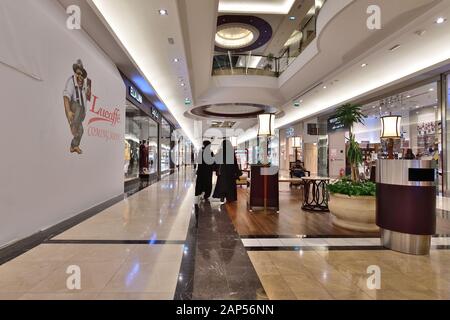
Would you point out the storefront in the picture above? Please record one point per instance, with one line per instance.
(165, 133)
(421, 108)
(147, 138)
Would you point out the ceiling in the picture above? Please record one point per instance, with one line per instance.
(332, 64)
(256, 6)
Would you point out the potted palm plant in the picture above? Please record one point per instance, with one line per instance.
(352, 201)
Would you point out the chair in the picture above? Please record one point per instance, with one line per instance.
(291, 173)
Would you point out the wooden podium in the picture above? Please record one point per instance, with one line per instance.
(263, 193)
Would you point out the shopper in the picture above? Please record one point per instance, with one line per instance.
(205, 167)
(227, 173)
(409, 155)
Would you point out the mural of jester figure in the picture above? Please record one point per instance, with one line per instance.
(76, 94)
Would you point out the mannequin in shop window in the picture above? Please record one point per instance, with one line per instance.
(143, 157)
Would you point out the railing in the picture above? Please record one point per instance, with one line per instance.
(244, 64)
(247, 64)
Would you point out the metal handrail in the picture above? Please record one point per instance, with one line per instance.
(244, 63)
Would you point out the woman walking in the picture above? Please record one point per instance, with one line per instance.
(227, 173)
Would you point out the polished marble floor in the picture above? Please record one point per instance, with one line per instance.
(155, 244)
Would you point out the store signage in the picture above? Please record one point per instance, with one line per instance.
(135, 94)
(290, 132)
(333, 124)
(155, 113)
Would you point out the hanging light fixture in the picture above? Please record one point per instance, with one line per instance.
(296, 142)
(390, 127)
(266, 124)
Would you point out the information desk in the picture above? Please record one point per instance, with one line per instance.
(263, 193)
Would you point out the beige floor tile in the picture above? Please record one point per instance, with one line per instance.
(48, 253)
(276, 287)
(59, 296)
(145, 277)
(313, 295)
(303, 283)
(94, 277)
(22, 276)
(259, 256)
(266, 268)
(135, 296)
(349, 295)
(10, 296)
(157, 253)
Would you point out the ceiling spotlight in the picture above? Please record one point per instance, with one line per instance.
(163, 12)
(408, 96)
(440, 20)
(364, 65)
(431, 89)
(417, 107)
(182, 84)
(291, 18)
(324, 87)
(176, 60)
(394, 47)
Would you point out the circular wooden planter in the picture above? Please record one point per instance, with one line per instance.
(357, 213)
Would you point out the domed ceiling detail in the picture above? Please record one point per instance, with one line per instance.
(240, 33)
(232, 110)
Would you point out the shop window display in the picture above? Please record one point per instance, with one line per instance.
(420, 126)
(165, 145)
(140, 141)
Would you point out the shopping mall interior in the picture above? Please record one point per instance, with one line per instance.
(336, 114)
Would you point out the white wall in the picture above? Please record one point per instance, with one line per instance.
(41, 182)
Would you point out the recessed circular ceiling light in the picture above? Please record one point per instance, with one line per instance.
(408, 96)
(182, 84)
(163, 12)
(291, 18)
(364, 65)
(431, 89)
(176, 60)
(235, 36)
(324, 87)
(440, 20)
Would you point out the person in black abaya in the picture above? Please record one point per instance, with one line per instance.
(205, 168)
(227, 173)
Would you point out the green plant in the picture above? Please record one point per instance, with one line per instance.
(350, 188)
(349, 115)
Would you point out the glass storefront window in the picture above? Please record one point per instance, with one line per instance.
(446, 96)
(139, 127)
(420, 125)
(165, 145)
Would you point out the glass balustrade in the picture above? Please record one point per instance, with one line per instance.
(229, 63)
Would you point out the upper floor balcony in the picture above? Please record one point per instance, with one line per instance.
(231, 63)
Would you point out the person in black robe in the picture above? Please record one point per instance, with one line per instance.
(205, 168)
(227, 173)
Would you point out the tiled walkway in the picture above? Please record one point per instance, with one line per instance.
(155, 245)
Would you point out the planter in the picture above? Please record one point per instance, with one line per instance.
(357, 213)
